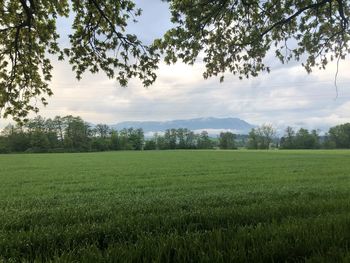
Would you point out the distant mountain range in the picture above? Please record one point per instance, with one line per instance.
(212, 125)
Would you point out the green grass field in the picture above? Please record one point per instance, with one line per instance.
(176, 206)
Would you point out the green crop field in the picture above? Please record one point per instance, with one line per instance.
(176, 206)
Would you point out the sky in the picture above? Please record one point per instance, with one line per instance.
(286, 96)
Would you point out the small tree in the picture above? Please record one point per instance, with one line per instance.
(203, 141)
(227, 140)
(261, 137)
(340, 135)
(288, 140)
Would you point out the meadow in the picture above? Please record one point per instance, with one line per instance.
(176, 206)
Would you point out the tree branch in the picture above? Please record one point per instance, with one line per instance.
(341, 13)
(296, 14)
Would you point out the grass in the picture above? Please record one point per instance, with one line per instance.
(176, 206)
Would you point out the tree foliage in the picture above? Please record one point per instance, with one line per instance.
(261, 137)
(227, 140)
(302, 139)
(67, 134)
(340, 136)
(73, 134)
(236, 35)
(182, 138)
(99, 41)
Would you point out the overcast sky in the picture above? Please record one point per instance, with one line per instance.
(286, 96)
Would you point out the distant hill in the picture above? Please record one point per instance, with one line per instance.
(212, 125)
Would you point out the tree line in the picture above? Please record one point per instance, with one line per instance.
(73, 134)
(183, 138)
(67, 134)
(264, 137)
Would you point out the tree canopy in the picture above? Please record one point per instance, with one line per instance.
(99, 41)
(235, 35)
(230, 36)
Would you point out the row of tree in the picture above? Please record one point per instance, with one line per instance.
(73, 134)
(67, 134)
(301, 139)
(186, 139)
(264, 137)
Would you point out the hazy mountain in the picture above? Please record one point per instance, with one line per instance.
(212, 125)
